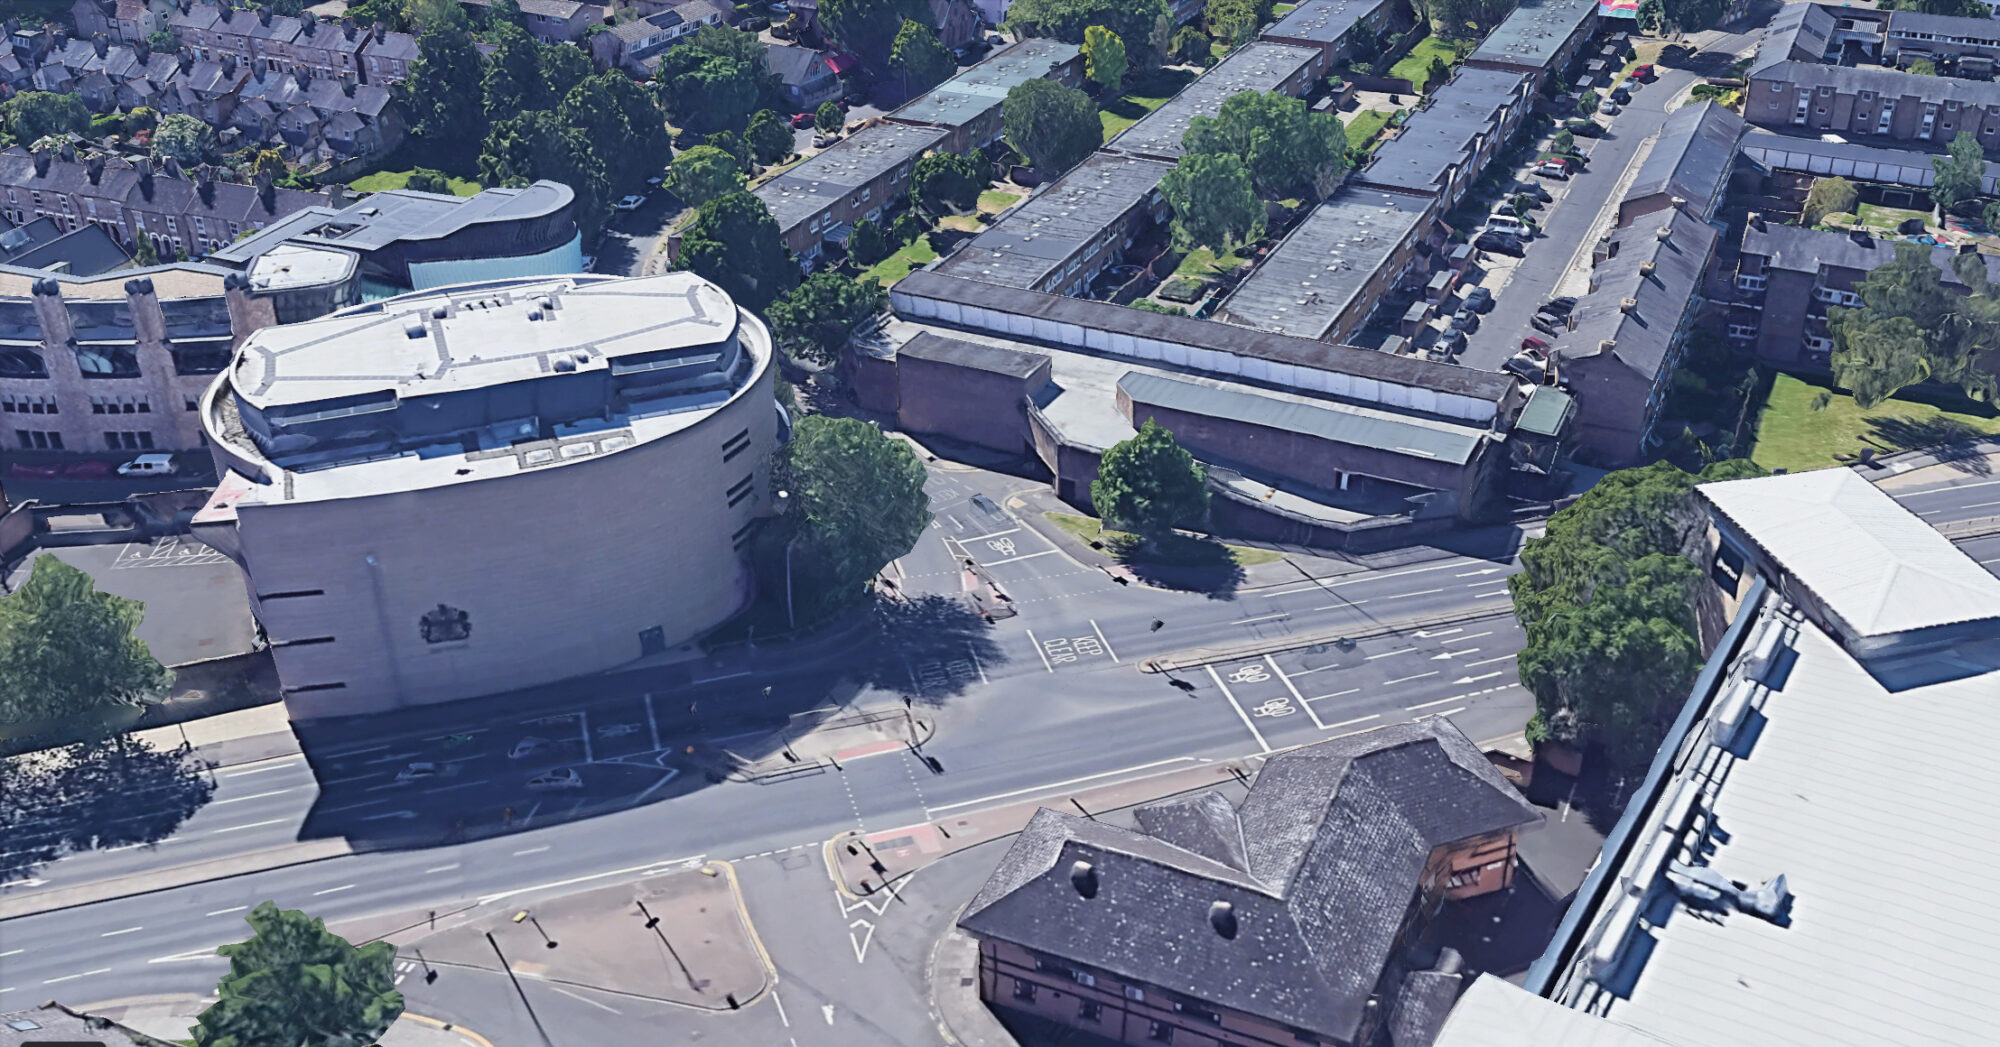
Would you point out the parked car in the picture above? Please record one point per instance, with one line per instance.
(1642, 73)
(1501, 243)
(1551, 169)
(1465, 320)
(1585, 128)
(35, 470)
(1535, 190)
(1534, 345)
(782, 7)
(1479, 300)
(1452, 340)
(560, 778)
(90, 469)
(1509, 223)
(754, 24)
(527, 747)
(1559, 306)
(1607, 108)
(417, 772)
(1548, 324)
(631, 203)
(801, 121)
(821, 141)
(1621, 95)
(150, 465)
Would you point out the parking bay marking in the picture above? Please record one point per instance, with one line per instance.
(1238, 706)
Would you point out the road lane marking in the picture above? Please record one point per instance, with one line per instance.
(1421, 592)
(1056, 786)
(1440, 701)
(355, 806)
(1365, 576)
(261, 770)
(114, 934)
(252, 796)
(73, 977)
(781, 1009)
(1358, 719)
(1292, 687)
(585, 999)
(1093, 628)
(532, 850)
(1474, 636)
(1018, 559)
(231, 909)
(334, 890)
(1038, 650)
(1336, 694)
(725, 676)
(1388, 654)
(355, 752)
(188, 957)
(1451, 712)
(1407, 679)
(1496, 592)
(252, 825)
(13, 952)
(983, 537)
(1341, 604)
(1488, 661)
(441, 868)
(461, 785)
(690, 862)
(1261, 618)
(1234, 704)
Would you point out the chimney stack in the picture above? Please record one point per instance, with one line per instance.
(171, 167)
(1083, 877)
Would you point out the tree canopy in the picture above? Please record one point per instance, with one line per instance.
(1054, 126)
(813, 321)
(34, 115)
(443, 91)
(298, 984)
(67, 650)
(1149, 484)
(919, 58)
(769, 136)
(946, 182)
(1698, 16)
(704, 91)
(1960, 8)
(1960, 173)
(1213, 203)
(703, 173)
(539, 144)
(857, 502)
(1142, 24)
(1911, 327)
(513, 80)
(1234, 22)
(1607, 599)
(182, 137)
(1104, 58)
(1829, 195)
(870, 28)
(1285, 146)
(1190, 47)
(733, 241)
(624, 127)
(828, 117)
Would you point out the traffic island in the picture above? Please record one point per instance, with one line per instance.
(812, 742)
(683, 938)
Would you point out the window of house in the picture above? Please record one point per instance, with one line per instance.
(1089, 1011)
(1024, 990)
(128, 440)
(1159, 1032)
(1135, 994)
(39, 439)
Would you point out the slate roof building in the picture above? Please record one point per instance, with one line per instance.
(1257, 66)
(968, 104)
(858, 178)
(1283, 920)
(1068, 231)
(1688, 166)
(1758, 892)
(1443, 147)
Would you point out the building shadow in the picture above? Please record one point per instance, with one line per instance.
(93, 797)
(1952, 443)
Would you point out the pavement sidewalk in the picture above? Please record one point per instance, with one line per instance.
(170, 1018)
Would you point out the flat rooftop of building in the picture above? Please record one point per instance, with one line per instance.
(1902, 166)
(806, 190)
(1871, 562)
(1533, 34)
(1257, 66)
(1316, 272)
(381, 219)
(1944, 27)
(974, 91)
(292, 265)
(1073, 210)
(429, 345)
(1322, 21)
(1440, 135)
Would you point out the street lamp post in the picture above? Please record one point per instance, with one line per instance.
(522, 993)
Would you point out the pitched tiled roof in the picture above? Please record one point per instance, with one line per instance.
(1318, 866)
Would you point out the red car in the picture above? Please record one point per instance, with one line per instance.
(1534, 345)
(1642, 72)
(86, 470)
(36, 471)
(803, 120)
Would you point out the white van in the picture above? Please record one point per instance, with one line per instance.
(1506, 223)
(150, 465)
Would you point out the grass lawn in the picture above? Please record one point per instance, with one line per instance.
(1365, 126)
(1416, 65)
(1126, 109)
(1886, 219)
(993, 201)
(898, 265)
(1791, 435)
(1202, 262)
(1281, 10)
(965, 222)
(1645, 52)
(1181, 550)
(381, 181)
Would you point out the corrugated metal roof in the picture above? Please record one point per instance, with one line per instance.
(1867, 559)
(1339, 423)
(1547, 407)
(1497, 1013)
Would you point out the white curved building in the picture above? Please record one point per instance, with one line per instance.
(476, 489)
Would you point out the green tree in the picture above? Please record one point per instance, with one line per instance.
(870, 28)
(143, 251)
(1991, 215)
(296, 983)
(1190, 47)
(1287, 148)
(1563, 143)
(946, 182)
(734, 242)
(144, 118)
(770, 136)
(1958, 8)
(919, 58)
(1606, 597)
(1586, 103)
(1054, 126)
(732, 143)
(1144, 25)
(505, 12)
(1831, 195)
(856, 499)
(1437, 74)
(1923, 67)
(907, 227)
(443, 92)
(272, 162)
(563, 66)
(1911, 327)
(1699, 16)
(707, 92)
(538, 144)
(1213, 203)
(183, 138)
(623, 124)
(1234, 22)
(1104, 58)
(866, 244)
(703, 173)
(426, 180)
(512, 82)
(814, 321)
(422, 16)
(828, 118)
(67, 651)
(34, 115)
(1149, 484)
(1960, 174)
(161, 41)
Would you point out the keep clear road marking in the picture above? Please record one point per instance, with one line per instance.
(1238, 706)
(1294, 688)
(1038, 650)
(1100, 639)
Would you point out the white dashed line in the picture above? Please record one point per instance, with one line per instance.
(334, 890)
(252, 825)
(225, 912)
(252, 796)
(73, 977)
(114, 934)
(441, 868)
(1407, 679)
(1358, 719)
(532, 850)
(1405, 596)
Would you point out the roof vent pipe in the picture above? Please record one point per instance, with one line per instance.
(1083, 877)
(1222, 917)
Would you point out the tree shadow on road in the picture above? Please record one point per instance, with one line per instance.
(933, 647)
(1954, 443)
(94, 796)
